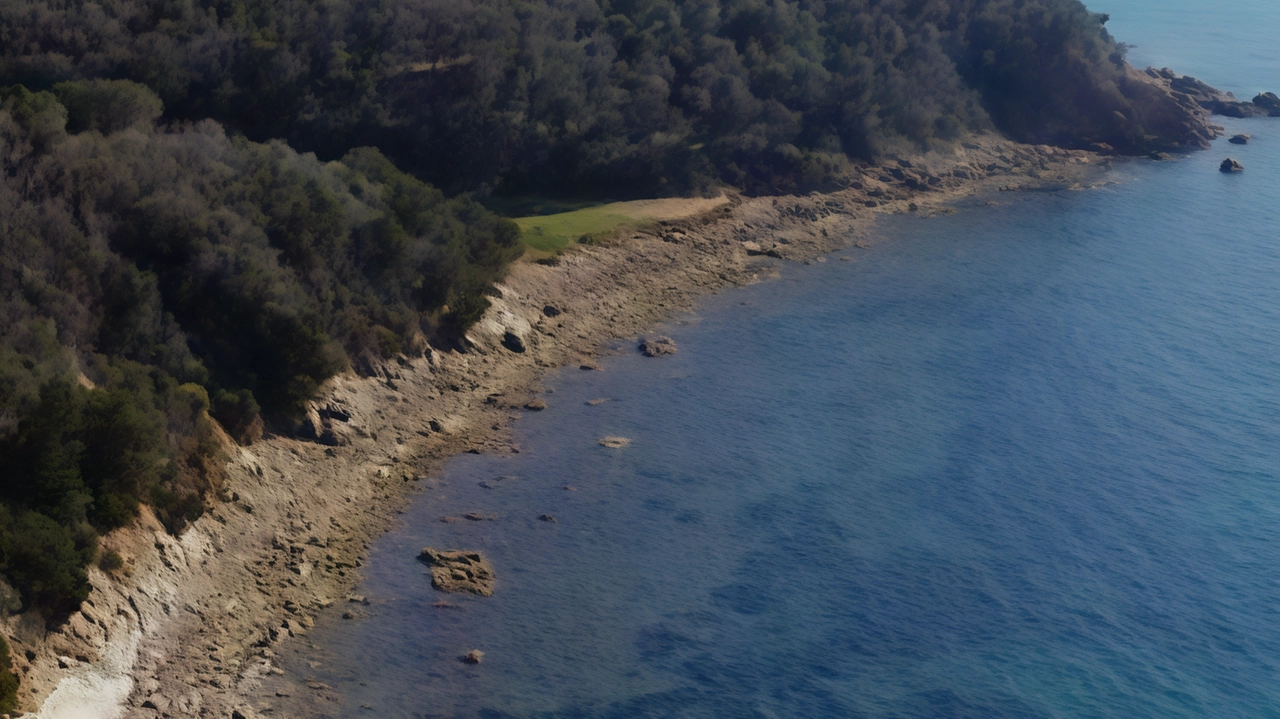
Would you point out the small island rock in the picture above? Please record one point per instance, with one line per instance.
(1230, 165)
(614, 442)
(1268, 101)
(475, 656)
(458, 571)
(1240, 139)
(657, 346)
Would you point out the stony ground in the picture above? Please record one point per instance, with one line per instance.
(191, 625)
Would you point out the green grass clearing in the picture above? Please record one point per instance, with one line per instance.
(553, 233)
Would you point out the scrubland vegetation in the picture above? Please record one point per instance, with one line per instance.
(154, 278)
(208, 207)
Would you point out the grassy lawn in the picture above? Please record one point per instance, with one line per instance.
(552, 233)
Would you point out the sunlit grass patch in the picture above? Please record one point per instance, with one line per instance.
(554, 232)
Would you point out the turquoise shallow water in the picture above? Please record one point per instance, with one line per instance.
(1020, 461)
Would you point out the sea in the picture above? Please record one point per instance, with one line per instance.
(1022, 460)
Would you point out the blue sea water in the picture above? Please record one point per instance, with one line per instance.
(1019, 461)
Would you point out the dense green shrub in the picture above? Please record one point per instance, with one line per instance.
(108, 105)
(41, 557)
(111, 561)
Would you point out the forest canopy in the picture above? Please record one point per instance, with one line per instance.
(209, 207)
(620, 97)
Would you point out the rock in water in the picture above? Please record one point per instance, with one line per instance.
(1230, 165)
(1268, 101)
(458, 571)
(535, 405)
(1240, 139)
(614, 442)
(475, 656)
(657, 346)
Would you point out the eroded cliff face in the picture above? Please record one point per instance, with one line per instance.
(190, 625)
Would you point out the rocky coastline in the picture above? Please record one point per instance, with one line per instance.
(189, 626)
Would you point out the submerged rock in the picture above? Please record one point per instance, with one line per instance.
(614, 442)
(1240, 139)
(657, 346)
(1230, 165)
(459, 571)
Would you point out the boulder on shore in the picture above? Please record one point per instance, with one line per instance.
(459, 571)
(1240, 139)
(513, 342)
(657, 346)
(1230, 165)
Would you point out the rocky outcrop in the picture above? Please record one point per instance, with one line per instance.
(1199, 100)
(769, 249)
(475, 656)
(458, 571)
(1240, 139)
(535, 405)
(1269, 102)
(657, 346)
(1230, 165)
(614, 442)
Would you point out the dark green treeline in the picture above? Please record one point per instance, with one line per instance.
(620, 97)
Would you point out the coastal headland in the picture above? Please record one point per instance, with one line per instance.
(190, 625)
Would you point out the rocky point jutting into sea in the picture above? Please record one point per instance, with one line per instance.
(192, 626)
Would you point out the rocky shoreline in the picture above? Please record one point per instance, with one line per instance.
(190, 625)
